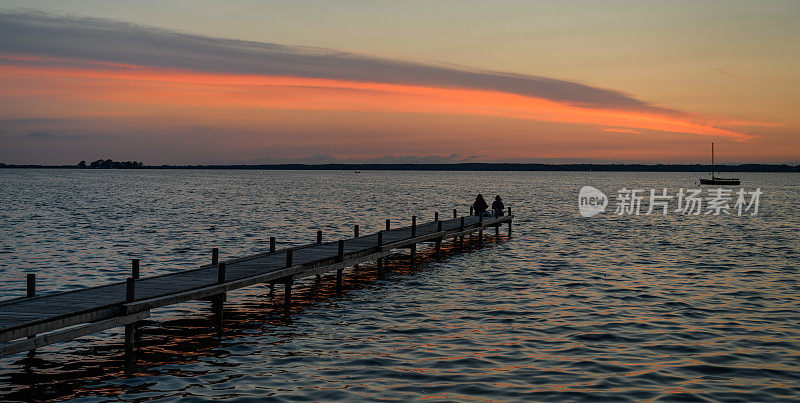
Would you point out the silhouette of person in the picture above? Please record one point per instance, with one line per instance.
(498, 206)
(480, 205)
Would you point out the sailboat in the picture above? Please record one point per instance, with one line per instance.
(714, 180)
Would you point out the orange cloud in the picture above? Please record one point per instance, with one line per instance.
(114, 89)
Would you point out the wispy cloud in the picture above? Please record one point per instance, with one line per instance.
(80, 40)
(618, 130)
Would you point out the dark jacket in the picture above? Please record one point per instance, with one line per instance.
(480, 205)
(498, 207)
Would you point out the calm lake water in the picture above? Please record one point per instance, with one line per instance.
(697, 308)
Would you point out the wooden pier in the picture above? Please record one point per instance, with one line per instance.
(39, 320)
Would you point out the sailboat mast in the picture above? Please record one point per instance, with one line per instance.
(712, 160)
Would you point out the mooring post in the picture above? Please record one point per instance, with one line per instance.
(355, 231)
(436, 216)
(455, 213)
(461, 228)
(338, 281)
(388, 224)
(30, 292)
(30, 289)
(130, 328)
(215, 256)
(340, 253)
(218, 300)
(413, 225)
(480, 231)
(319, 237)
(135, 268)
(287, 294)
(272, 244)
(439, 239)
(380, 259)
(413, 254)
(287, 285)
(509, 223)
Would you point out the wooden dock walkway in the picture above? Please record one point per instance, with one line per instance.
(36, 321)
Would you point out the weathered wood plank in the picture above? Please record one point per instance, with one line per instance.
(71, 333)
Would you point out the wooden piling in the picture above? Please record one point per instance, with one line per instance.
(461, 228)
(455, 213)
(380, 259)
(287, 294)
(438, 241)
(413, 254)
(471, 210)
(509, 223)
(319, 237)
(272, 244)
(355, 231)
(497, 232)
(388, 224)
(30, 289)
(436, 216)
(339, 281)
(413, 225)
(289, 257)
(215, 256)
(219, 300)
(135, 268)
(340, 253)
(130, 329)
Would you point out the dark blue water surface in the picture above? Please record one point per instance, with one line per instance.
(622, 308)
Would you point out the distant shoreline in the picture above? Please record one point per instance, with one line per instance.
(463, 167)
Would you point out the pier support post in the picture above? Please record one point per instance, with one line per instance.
(287, 285)
(215, 256)
(439, 239)
(130, 329)
(30, 289)
(413, 225)
(388, 224)
(319, 237)
(218, 300)
(355, 231)
(436, 216)
(339, 282)
(380, 259)
(30, 292)
(509, 223)
(461, 238)
(287, 294)
(272, 250)
(455, 213)
(480, 231)
(497, 233)
(135, 268)
(413, 254)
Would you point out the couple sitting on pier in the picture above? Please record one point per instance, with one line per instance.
(480, 206)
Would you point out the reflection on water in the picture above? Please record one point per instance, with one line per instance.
(622, 308)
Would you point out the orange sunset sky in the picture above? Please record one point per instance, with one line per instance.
(195, 82)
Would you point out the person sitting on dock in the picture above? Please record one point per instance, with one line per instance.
(498, 206)
(480, 205)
